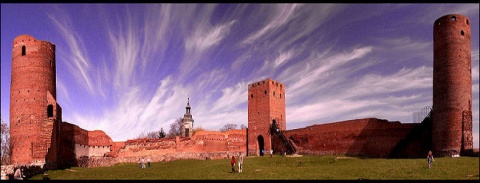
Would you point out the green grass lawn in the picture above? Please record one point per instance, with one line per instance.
(278, 167)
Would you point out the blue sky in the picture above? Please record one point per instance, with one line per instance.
(129, 68)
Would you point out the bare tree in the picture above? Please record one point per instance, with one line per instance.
(228, 126)
(175, 128)
(5, 144)
(153, 135)
(243, 126)
(142, 135)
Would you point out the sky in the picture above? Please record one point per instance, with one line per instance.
(128, 69)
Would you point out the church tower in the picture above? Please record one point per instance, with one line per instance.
(187, 122)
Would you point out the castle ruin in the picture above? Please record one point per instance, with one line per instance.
(38, 134)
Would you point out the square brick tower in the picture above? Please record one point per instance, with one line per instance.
(266, 105)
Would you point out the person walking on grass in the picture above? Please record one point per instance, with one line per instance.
(240, 162)
(148, 160)
(139, 163)
(430, 159)
(232, 163)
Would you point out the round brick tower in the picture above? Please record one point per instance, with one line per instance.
(32, 82)
(452, 85)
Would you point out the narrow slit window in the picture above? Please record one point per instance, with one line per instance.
(50, 110)
(24, 49)
(462, 33)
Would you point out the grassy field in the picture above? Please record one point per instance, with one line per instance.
(283, 168)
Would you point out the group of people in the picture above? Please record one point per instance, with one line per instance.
(240, 163)
(142, 162)
(233, 162)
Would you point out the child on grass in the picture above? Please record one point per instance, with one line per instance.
(430, 159)
(232, 163)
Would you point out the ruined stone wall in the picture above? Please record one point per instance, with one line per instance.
(114, 149)
(452, 83)
(76, 142)
(32, 78)
(361, 137)
(202, 145)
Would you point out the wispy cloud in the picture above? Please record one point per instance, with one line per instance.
(126, 48)
(231, 98)
(157, 55)
(62, 91)
(278, 61)
(80, 65)
(316, 69)
(203, 38)
(282, 14)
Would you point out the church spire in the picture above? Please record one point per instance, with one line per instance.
(188, 106)
(187, 122)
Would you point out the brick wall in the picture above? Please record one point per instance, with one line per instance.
(202, 145)
(361, 137)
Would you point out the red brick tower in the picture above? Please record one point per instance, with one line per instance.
(266, 104)
(33, 107)
(452, 86)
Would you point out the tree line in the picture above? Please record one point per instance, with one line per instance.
(176, 130)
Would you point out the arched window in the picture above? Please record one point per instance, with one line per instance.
(50, 110)
(24, 50)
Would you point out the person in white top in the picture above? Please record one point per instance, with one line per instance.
(143, 162)
(18, 175)
(240, 163)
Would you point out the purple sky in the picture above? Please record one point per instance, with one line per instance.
(128, 69)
